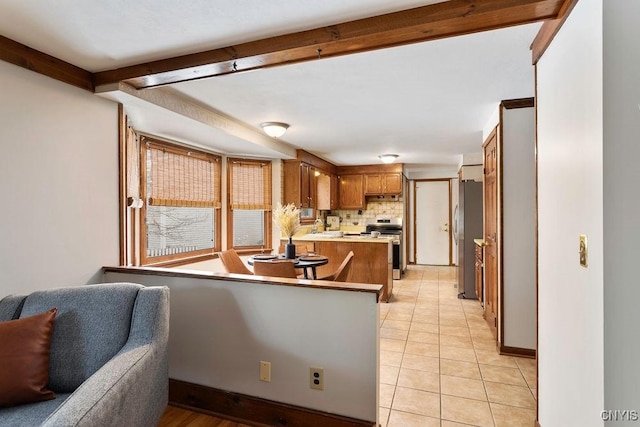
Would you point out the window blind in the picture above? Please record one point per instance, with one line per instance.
(181, 177)
(132, 156)
(250, 184)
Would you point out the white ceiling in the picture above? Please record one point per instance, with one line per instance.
(428, 102)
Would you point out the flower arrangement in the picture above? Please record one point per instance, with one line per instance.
(287, 219)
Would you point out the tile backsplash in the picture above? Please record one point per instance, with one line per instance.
(373, 209)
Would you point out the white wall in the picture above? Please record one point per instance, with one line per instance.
(58, 183)
(621, 204)
(435, 172)
(490, 125)
(519, 227)
(221, 330)
(570, 203)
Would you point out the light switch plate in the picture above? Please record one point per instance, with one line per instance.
(584, 251)
(265, 371)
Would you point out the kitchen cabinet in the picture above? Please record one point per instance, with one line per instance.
(334, 191)
(327, 192)
(299, 184)
(383, 183)
(491, 210)
(479, 271)
(352, 191)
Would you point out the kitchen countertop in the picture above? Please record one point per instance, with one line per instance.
(319, 237)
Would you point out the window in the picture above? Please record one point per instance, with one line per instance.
(249, 218)
(181, 215)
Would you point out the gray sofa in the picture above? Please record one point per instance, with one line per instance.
(108, 363)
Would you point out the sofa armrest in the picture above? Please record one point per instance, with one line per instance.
(10, 307)
(132, 388)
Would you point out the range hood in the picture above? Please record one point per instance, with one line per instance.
(385, 198)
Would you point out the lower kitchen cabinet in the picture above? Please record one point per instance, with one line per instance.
(372, 262)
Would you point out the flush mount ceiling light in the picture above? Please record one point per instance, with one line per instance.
(274, 129)
(388, 158)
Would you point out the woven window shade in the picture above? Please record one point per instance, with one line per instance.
(250, 184)
(182, 178)
(133, 163)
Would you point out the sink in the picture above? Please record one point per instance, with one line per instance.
(332, 233)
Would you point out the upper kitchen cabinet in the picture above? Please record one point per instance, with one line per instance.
(310, 183)
(382, 183)
(327, 192)
(377, 180)
(299, 184)
(351, 191)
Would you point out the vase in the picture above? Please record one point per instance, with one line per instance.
(290, 250)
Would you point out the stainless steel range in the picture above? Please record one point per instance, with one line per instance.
(389, 227)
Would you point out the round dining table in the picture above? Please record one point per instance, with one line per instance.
(305, 262)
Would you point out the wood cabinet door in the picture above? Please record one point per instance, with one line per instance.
(490, 259)
(313, 187)
(479, 268)
(323, 197)
(351, 192)
(304, 185)
(392, 183)
(334, 200)
(292, 178)
(373, 184)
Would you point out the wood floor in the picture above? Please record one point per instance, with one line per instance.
(178, 417)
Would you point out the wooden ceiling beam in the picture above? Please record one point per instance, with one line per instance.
(440, 20)
(34, 60)
(549, 30)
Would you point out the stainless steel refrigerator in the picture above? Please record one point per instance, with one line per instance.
(468, 227)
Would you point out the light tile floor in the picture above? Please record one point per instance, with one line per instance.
(439, 365)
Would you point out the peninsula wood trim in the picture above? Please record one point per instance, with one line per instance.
(272, 281)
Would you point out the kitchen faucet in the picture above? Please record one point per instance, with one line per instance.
(317, 223)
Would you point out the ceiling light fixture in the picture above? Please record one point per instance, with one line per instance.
(274, 129)
(388, 158)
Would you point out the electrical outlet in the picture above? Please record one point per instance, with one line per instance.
(265, 371)
(316, 378)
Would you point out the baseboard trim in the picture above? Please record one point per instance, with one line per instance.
(517, 351)
(253, 410)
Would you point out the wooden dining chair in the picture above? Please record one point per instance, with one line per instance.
(233, 263)
(278, 268)
(342, 273)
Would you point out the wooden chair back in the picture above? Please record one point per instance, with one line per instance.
(342, 273)
(278, 268)
(233, 263)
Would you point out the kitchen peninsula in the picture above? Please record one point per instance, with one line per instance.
(372, 261)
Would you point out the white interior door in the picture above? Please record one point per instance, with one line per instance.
(432, 222)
